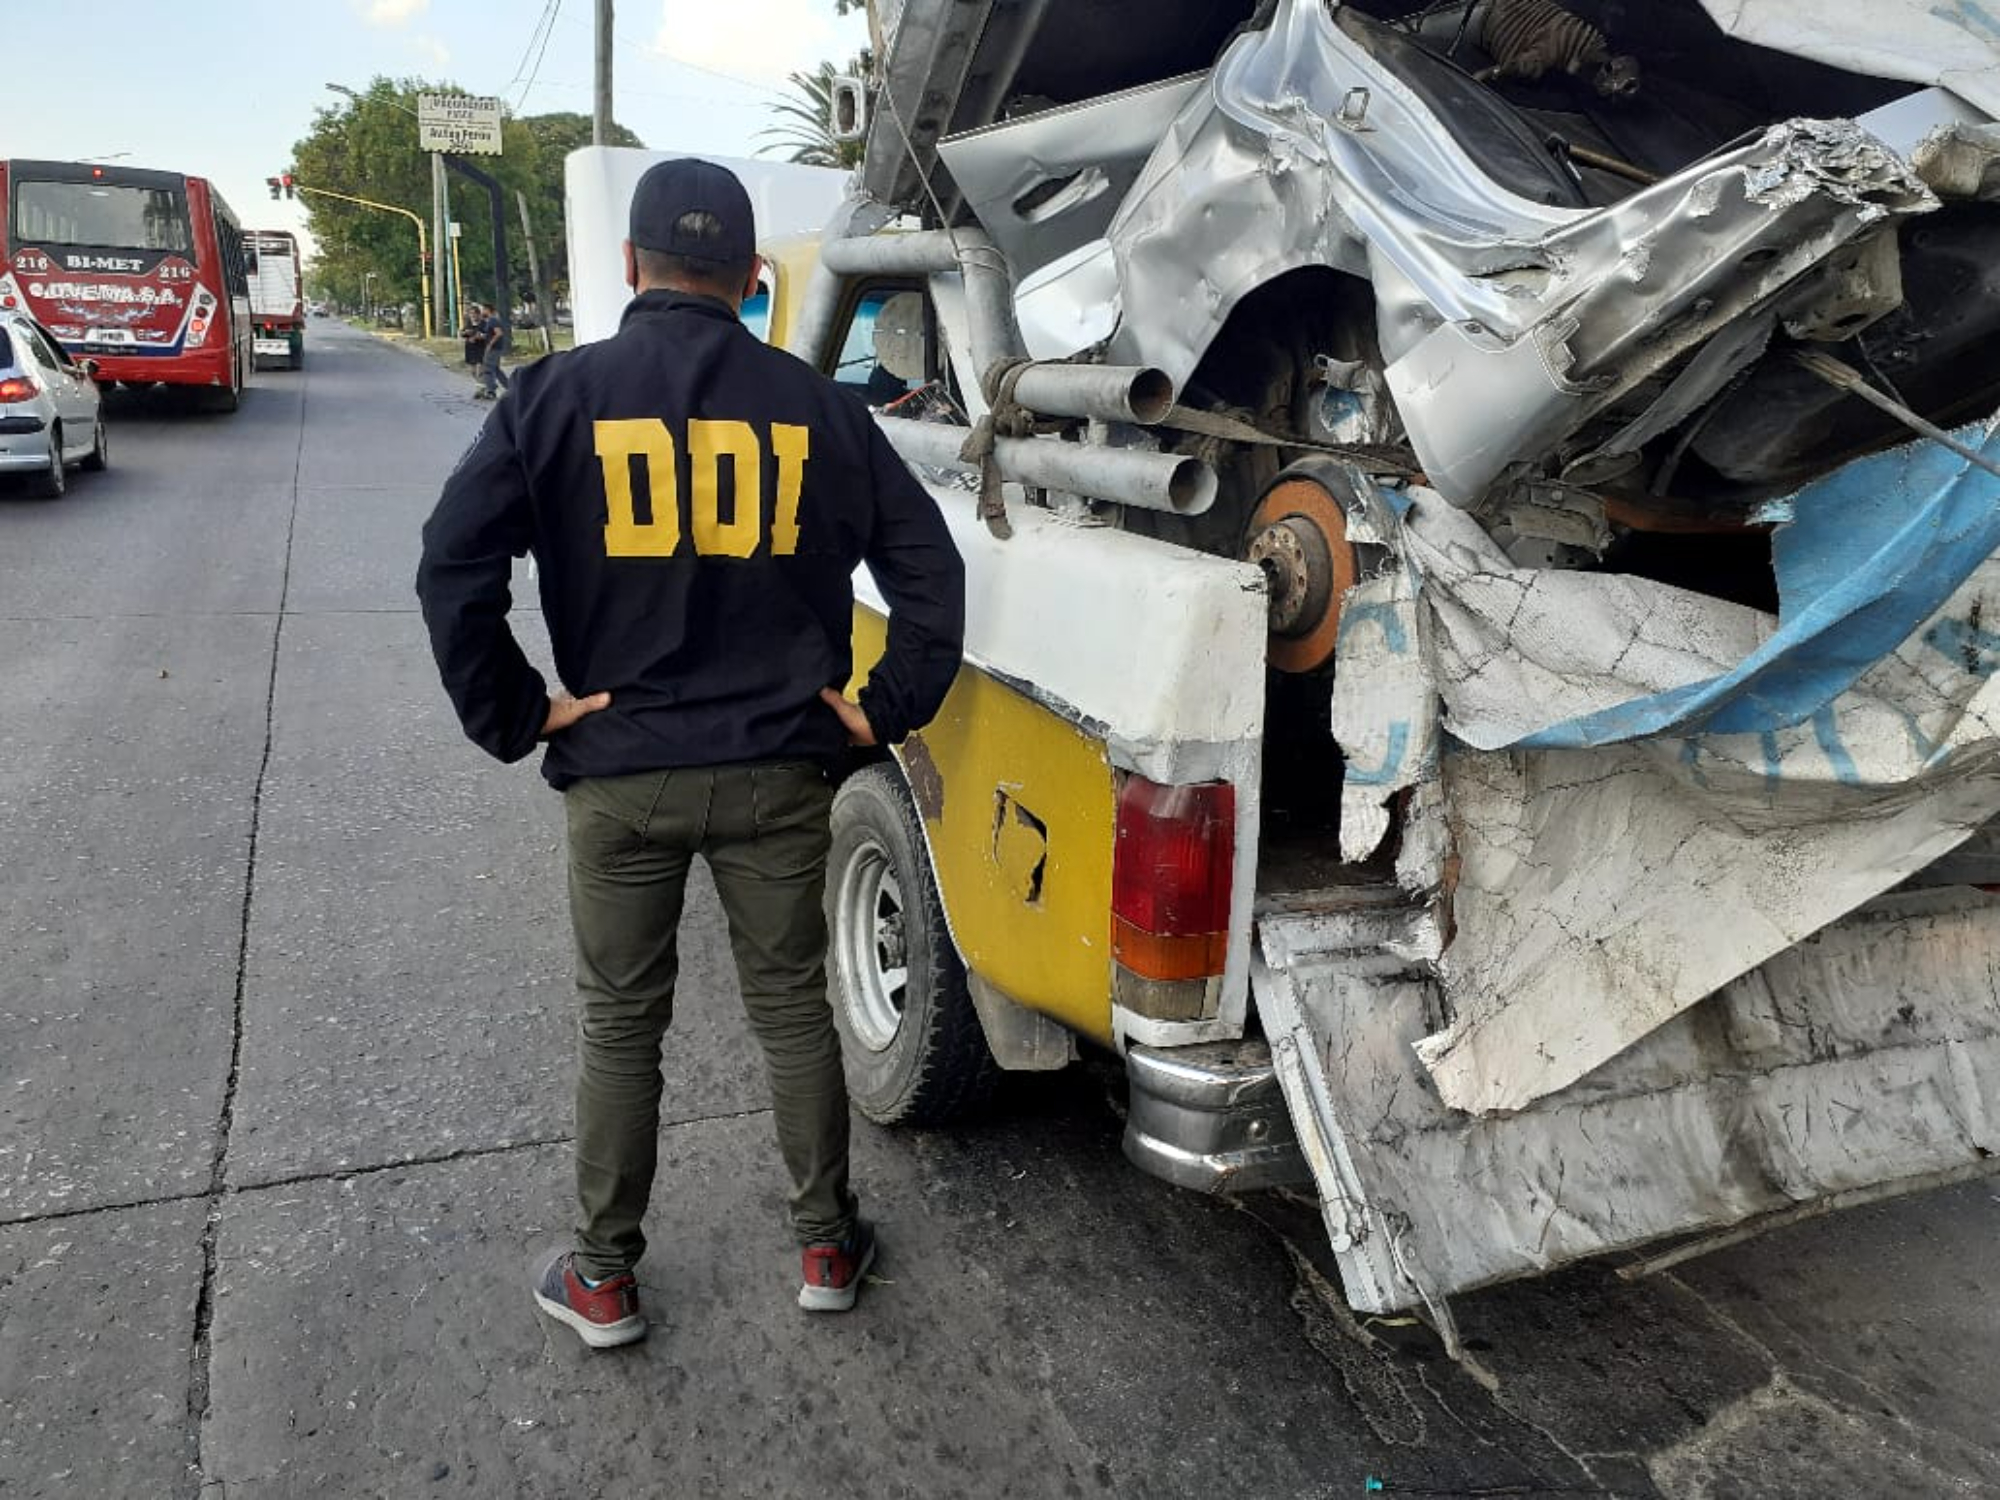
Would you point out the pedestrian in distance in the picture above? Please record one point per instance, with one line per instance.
(493, 344)
(472, 340)
(696, 502)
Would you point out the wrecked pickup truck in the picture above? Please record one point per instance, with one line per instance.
(1480, 522)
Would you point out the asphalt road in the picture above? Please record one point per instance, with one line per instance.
(284, 1032)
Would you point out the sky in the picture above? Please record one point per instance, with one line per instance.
(222, 88)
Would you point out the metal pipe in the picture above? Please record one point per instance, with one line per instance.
(1170, 482)
(924, 253)
(1111, 393)
(1617, 166)
(1844, 377)
(989, 290)
(811, 329)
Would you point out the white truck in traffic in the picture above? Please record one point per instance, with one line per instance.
(277, 298)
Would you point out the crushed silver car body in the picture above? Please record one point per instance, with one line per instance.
(1506, 323)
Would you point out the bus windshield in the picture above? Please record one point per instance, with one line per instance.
(101, 214)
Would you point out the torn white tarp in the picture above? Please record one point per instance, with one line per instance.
(1387, 704)
(1866, 1058)
(1952, 43)
(1658, 791)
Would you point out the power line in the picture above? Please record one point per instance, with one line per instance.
(542, 24)
(662, 55)
(555, 9)
(715, 101)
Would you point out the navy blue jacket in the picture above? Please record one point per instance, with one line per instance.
(696, 502)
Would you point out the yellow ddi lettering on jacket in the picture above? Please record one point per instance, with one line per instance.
(711, 445)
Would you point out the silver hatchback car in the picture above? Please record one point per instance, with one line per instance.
(51, 414)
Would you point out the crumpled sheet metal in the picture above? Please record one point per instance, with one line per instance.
(1095, 148)
(1638, 819)
(1865, 1056)
(1961, 161)
(1506, 323)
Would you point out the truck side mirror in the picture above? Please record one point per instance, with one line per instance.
(848, 98)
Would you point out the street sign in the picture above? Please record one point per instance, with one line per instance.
(461, 123)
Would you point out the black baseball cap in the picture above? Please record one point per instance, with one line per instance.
(689, 185)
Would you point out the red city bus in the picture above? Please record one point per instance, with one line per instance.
(142, 272)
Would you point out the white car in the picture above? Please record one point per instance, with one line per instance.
(51, 415)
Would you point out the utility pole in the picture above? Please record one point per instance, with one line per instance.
(447, 308)
(600, 120)
(457, 281)
(545, 305)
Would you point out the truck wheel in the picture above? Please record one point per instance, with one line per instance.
(298, 356)
(915, 1052)
(53, 481)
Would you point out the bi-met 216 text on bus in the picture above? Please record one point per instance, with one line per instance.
(142, 271)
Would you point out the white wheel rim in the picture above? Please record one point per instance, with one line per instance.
(873, 946)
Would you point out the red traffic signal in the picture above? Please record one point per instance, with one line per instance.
(273, 184)
(286, 179)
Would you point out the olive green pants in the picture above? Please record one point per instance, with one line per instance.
(763, 829)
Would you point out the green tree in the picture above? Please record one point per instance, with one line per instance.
(368, 147)
(556, 135)
(805, 128)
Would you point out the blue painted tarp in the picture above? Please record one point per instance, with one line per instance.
(1874, 550)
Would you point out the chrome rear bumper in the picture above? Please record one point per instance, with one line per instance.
(1211, 1117)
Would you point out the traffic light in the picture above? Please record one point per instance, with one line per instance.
(274, 185)
(290, 187)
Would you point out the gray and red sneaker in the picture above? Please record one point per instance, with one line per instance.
(833, 1272)
(603, 1316)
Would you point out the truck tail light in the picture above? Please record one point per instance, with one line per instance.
(18, 388)
(1172, 877)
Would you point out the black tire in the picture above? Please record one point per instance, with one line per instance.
(99, 457)
(53, 482)
(934, 1066)
(227, 398)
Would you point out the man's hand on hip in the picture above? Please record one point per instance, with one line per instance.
(565, 710)
(859, 730)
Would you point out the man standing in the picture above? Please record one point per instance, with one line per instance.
(472, 335)
(697, 503)
(493, 336)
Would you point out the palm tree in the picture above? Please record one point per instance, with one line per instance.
(805, 128)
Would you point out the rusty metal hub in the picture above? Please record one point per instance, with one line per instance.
(1298, 536)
